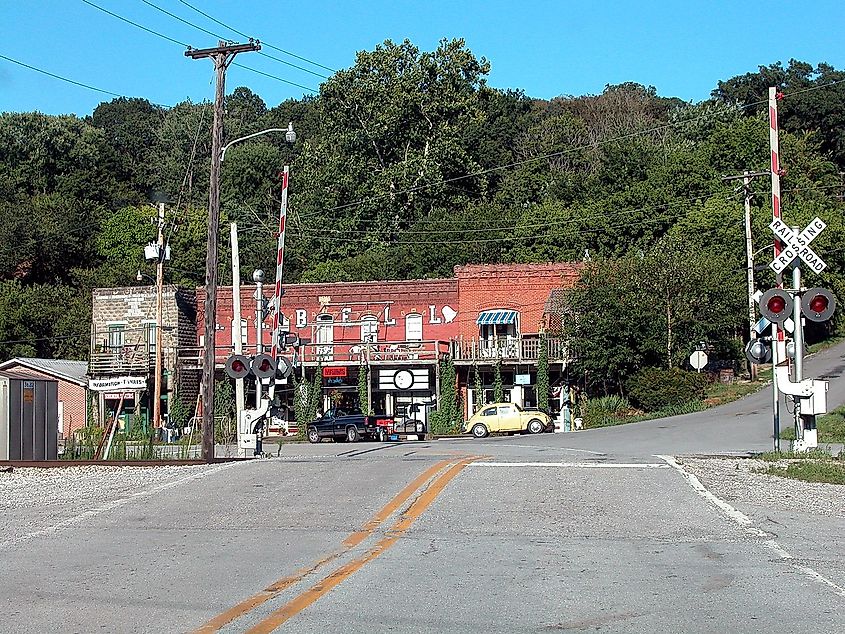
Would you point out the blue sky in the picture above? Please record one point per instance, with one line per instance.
(546, 48)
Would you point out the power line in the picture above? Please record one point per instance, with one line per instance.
(135, 24)
(59, 77)
(242, 34)
(220, 37)
(254, 70)
(188, 46)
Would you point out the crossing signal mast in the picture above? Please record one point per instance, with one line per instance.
(787, 309)
(264, 370)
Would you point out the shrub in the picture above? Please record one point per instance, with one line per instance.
(607, 410)
(653, 389)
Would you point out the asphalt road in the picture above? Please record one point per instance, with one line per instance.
(558, 532)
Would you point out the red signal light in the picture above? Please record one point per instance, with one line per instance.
(264, 366)
(238, 366)
(819, 304)
(776, 304)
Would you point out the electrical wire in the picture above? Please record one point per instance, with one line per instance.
(261, 72)
(185, 45)
(65, 79)
(242, 34)
(220, 37)
(135, 24)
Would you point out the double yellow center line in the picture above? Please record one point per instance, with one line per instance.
(309, 596)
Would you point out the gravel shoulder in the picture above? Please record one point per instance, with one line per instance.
(736, 481)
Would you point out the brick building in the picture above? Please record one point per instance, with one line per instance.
(486, 315)
(121, 368)
(72, 387)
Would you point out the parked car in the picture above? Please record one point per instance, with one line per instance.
(507, 417)
(349, 426)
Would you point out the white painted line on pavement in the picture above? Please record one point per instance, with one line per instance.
(575, 465)
(743, 520)
(113, 504)
(545, 448)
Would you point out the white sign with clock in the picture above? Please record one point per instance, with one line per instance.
(410, 379)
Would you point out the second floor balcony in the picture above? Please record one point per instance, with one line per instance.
(116, 361)
(512, 349)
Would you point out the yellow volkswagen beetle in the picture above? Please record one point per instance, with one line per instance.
(506, 417)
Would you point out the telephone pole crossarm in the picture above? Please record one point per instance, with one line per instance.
(225, 49)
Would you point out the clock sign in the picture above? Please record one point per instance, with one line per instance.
(403, 379)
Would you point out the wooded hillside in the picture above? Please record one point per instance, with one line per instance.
(407, 164)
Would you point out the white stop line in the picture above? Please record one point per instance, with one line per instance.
(797, 245)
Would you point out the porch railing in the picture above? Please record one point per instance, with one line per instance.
(313, 354)
(507, 349)
(118, 361)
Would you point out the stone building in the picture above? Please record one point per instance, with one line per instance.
(121, 368)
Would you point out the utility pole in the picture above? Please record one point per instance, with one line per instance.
(222, 56)
(749, 256)
(159, 338)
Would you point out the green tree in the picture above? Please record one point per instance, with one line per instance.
(498, 386)
(543, 373)
(447, 419)
(363, 387)
(651, 310)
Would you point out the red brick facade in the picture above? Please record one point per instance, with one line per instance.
(406, 327)
(520, 287)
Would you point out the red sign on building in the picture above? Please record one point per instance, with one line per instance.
(334, 372)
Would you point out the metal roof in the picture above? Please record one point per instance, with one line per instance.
(65, 369)
(497, 317)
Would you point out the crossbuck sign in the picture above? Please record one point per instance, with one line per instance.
(797, 245)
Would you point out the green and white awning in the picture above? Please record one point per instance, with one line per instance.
(489, 317)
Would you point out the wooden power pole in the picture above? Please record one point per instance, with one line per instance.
(222, 56)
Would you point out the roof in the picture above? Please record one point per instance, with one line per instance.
(65, 369)
(23, 377)
(556, 303)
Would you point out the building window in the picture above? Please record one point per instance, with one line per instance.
(324, 337)
(243, 331)
(369, 329)
(117, 337)
(413, 327)
(150, 336)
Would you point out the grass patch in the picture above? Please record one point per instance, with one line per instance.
(813, 466)
(719, 393)
(827, 471)
(831, 427)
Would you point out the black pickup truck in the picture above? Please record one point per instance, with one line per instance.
(349, 426)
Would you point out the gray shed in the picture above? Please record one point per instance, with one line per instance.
(29, 415)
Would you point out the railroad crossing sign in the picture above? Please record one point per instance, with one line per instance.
(797, 245)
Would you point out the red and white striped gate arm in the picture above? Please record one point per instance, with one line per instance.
(280, 254)
(774, 96)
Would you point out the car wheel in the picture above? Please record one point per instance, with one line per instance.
(313, 435)
(535, 426)
(479, 430)
(352, 434)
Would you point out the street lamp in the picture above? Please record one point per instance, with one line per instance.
(210, 316)
(290, 137)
